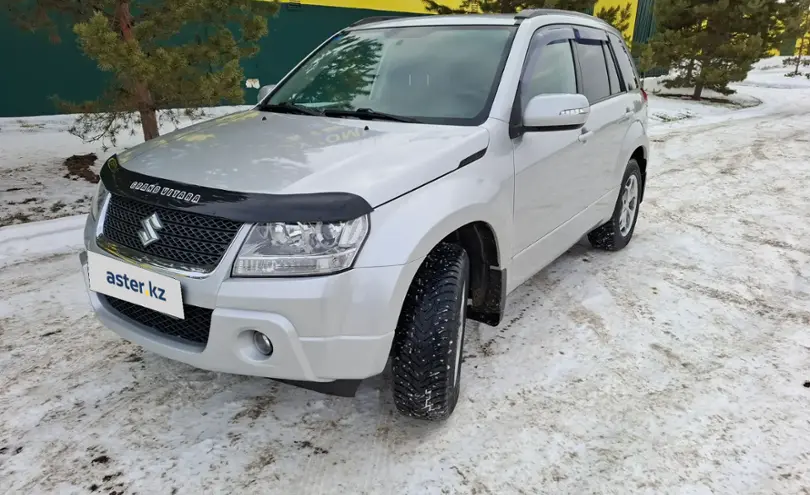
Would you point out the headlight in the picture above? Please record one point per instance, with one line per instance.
(98, 199)
(296, 249)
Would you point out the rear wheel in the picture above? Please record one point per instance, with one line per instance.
(429, 338)
(617, 232)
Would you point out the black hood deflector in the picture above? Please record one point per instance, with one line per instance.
(236, 206)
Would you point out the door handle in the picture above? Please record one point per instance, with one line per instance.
(584, 136)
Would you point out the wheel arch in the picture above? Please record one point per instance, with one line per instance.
(640, 155)
(636, 146)
(463, 209)
(487, 292)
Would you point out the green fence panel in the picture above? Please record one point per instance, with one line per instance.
(645, 21)
(645, 29)
(32, 69)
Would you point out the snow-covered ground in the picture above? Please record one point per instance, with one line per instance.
(770, 73)
(674, 366)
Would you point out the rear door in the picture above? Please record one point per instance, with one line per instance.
(610, 111)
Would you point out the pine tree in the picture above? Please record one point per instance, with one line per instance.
(711, 44)
(164, 55)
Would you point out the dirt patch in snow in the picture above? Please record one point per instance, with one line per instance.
(80, 167)
(715, 100)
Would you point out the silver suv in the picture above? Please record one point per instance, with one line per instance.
(401, 180)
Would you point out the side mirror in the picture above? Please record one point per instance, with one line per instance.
(264, 91)
(556, 112)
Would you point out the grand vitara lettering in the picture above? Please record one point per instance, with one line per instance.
(146, 288)
(169, 192)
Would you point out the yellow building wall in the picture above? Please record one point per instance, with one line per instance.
(418, 6)
(606, 4)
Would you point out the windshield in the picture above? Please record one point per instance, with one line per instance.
(431, 74)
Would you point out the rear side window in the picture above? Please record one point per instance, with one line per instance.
(625, 64)
(595, 80)
(615, 86)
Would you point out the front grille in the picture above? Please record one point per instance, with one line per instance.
(194, 328)
(189, 239)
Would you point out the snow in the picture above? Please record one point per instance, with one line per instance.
(770, 73)
(666, 106)
(48, 237)
(674, 366)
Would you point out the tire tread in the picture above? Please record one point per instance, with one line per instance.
(423, 356)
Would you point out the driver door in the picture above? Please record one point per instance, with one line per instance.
(549, 170)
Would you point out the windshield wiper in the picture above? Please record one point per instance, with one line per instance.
(290, 107)
(368, 113)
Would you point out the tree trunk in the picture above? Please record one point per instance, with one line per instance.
(801, 45)
(698, 90)
(146, 106)
(149, 124)
(689, 69)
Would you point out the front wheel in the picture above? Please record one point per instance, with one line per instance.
(617, 232)
(429, 338)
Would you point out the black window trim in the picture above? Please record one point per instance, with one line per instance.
(607, 50)
(613, 39)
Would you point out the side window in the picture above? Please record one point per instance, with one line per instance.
(615, 86)
(625, 64)
(550, 70)
(595, 81)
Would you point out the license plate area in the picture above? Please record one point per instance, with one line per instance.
(134, 284)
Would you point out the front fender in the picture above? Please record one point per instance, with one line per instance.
(407, 229)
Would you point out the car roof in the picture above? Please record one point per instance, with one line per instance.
(548, 16)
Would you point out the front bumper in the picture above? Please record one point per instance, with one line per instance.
(323, 329)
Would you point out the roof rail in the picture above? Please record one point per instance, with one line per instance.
(379, 18)
(530, 13)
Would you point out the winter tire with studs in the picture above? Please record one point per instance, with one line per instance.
(426, 357)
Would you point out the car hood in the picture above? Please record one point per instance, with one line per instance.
(263, 152)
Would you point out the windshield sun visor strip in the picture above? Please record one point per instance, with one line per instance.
(231, 205)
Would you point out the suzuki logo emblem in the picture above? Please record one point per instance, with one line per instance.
(151, 225)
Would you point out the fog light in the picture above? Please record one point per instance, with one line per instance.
(262, 343)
